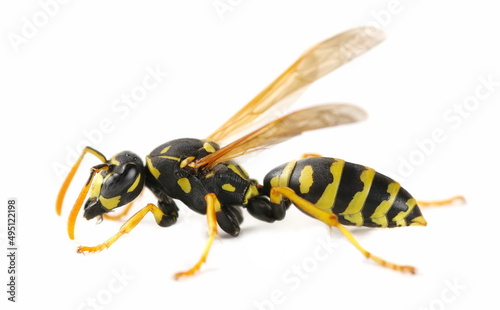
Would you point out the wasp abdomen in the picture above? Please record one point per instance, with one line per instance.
(358, 195)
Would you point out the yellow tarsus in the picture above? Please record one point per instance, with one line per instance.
(444, 202)
(124, 229)
(309, 155)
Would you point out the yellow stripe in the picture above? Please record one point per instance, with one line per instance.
(274, 181)
(114, 161)
(252, 191)
(239, 172)
(400, 218)
(379, 216)
(169, 157)
(95, 190)
(185, 185)
(210, 174)
(228, 187)
(165, 149)
(186, 161)
(134, 185)
(284, 177)
(208, 147)
(110, 203)
(306, 179)
(353, 211)
(327, 200)
(418, 221)
(155, 172)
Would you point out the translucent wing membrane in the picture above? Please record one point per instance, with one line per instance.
(312, 65)
(284, 128)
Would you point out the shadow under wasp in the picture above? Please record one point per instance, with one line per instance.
(204, 176)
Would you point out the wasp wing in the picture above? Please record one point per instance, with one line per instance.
(312, 65)
(284, 128)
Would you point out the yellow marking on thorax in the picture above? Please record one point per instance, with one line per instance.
(134, 185)
(353, 211)
(155, 172)
(244, 172)
(165, 149)
(228, 187)
(185, 185)
(379, 216)
(306, 179)
(400, 217)
(252, 191)
(327, 199)
(208, 147)
(186, 161)
(169, 157)
(239, 172)
(110, 203)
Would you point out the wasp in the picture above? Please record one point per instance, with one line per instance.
(205, 177)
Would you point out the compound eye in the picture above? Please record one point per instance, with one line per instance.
(118, 183)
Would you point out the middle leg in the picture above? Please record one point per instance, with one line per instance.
(213, 207)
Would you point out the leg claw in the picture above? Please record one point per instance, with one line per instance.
(85, 249)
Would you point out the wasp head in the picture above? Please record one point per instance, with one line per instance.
(119, 183)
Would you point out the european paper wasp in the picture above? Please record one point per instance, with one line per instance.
(205, 177)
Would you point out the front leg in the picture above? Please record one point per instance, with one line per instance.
(160, 218)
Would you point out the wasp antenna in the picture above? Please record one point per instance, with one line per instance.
(79, 201)
(71, 174)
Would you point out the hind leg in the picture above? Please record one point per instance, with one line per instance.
(444, 202)
(330, 219)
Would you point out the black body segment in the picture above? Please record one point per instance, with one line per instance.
(358, 195)
(170, 176)
(167, 164)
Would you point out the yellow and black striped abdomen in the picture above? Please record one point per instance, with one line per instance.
(358, 195)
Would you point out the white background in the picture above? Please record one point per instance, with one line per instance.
(66, 66)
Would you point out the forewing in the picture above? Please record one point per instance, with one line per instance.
(312, 65)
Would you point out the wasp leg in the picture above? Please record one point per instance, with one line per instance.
(332, 221)
(127, 227)
(213, 206)
(309, 155)
(229, 219)
(436, 203)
